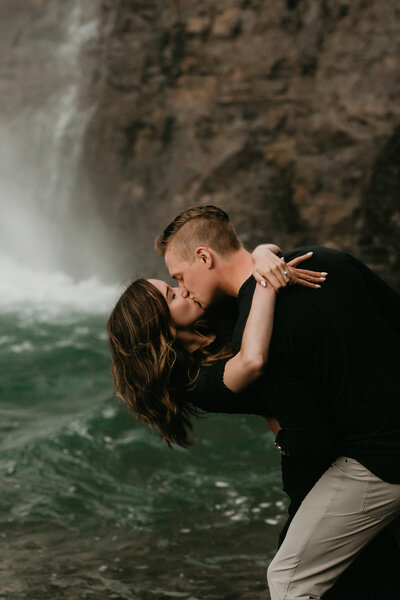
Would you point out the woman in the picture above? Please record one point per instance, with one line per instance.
(166, 357)
(163, 348)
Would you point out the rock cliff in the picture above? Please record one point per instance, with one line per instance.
(285, 113)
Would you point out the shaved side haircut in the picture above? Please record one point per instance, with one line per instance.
(199, 226)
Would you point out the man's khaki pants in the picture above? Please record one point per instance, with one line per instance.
(346, 508)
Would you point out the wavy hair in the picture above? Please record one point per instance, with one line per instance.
(151, 370)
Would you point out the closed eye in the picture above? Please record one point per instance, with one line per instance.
(170, 294)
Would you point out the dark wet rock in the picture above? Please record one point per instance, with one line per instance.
(278, 111)
(285, 112)
(381, 209)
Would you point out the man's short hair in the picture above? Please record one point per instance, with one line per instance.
(200, 226)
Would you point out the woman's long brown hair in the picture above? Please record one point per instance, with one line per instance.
(151, 371)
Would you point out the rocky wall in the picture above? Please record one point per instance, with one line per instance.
(282, 112)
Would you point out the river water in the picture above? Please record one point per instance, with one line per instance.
(94, 505)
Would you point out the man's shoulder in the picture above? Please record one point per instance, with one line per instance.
(340, 266)
(247, 289)
(331, 254)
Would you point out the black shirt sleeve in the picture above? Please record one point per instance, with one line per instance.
(212, 395)
(386, 298)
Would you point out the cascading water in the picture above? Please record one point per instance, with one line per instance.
(41, 139)
(92, 505)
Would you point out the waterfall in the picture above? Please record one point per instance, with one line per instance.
(45, 80)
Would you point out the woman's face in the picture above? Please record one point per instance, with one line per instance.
(184, 311)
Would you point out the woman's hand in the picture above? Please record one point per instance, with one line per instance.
(302, 276)
(268, 267)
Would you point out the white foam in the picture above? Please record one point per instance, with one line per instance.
(26, 289)
(24, 347)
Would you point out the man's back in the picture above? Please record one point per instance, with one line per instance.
(339, 346)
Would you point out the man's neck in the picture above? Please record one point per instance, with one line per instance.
(235, 270)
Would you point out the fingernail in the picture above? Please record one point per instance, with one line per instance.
(310, 252)
(316, 285)
(262, 282)
(322, 278)
(324, 273)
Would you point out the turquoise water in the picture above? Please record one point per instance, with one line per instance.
(94, 505)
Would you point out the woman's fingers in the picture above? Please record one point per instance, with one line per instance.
(308, 278)
(305, 273)
(272, 269)
(307, 283)
(285, 271)
(299, 259)
(271, 279)
(259, 278)
(276, 280)
(314, 277)
(281, 273)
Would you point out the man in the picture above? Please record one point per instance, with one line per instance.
(331, 383)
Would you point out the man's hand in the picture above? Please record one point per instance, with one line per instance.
(274, 425)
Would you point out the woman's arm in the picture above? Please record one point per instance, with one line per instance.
(248, 364)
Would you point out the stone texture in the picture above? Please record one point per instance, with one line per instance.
(381, 231)
(284, 113)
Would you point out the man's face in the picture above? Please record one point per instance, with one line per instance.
(197, 277)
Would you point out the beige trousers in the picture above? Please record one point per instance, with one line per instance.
(346, 508)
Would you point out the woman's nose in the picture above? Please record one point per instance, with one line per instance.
(181, 290)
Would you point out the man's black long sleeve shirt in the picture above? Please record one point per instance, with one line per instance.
(332, 376)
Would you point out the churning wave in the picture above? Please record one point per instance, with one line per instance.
(25, 289)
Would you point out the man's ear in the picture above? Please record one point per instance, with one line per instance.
(205, 256)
